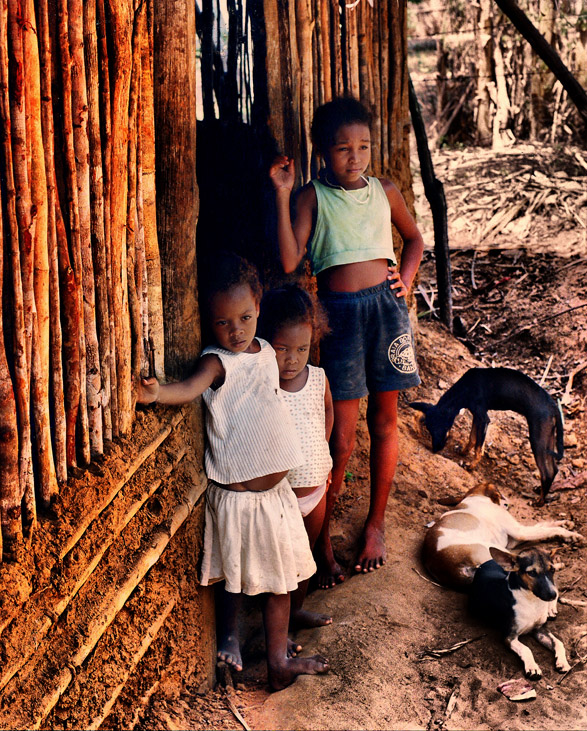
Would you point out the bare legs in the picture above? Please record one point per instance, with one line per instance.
(342, 442)
(228, 608)
(301, 618)
(382, 425)
(283, 670)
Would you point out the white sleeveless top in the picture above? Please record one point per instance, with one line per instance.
(250, 431)
(307, 409)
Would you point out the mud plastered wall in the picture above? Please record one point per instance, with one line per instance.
(106, 600)
(101, 506)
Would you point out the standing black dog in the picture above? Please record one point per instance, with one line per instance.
(500, 389)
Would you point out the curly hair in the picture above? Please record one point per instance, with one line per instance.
(292, 305)
(330, 117)
(228, 270)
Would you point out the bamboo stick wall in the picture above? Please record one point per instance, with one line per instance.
(304, 52)
(81, 284)
(319, 49)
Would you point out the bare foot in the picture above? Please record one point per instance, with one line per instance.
(285, 673)
(230, 652)
(373, 554)
(302, 619)
(330, 572)
(293, 648)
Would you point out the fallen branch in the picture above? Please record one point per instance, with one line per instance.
(516, 332)
(543, 379)
(580, 661)
(437, 653)
(235, 712)
(427, 579)
(571, 483)
(566, 397)
(572, 602)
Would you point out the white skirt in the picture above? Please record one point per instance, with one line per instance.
(255, 541)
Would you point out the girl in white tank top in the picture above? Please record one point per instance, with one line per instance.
(293, 320)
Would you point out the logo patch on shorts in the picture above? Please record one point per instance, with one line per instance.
(401, 354)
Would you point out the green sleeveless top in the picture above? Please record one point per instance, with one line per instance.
(351, 226)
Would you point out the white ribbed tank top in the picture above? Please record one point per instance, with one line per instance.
(250, 431)
(307, 409)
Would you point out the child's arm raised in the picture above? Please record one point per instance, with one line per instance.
(292, 238)
(413, 243)
(208, 371)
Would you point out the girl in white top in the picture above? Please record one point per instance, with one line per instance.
(293, 320)
(254, 536)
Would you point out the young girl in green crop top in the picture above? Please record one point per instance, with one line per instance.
(343, 222)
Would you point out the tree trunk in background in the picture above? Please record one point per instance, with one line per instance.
(484, 53)
(541, 80)
(547, 53)
(177, 193)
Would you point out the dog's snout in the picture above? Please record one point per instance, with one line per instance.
(544, 588)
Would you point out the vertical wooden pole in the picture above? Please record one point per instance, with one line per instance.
(74, 217)
(435, 194)
(47, 480)
(304, 24)
(10, 493)
(132, 214)
(147, 146)
(19, 207)
(98, 243)
(82, 160)
(177, 202)
(325, 53)
(338, 71)
(376, 155)
(121, 14)
(352, 38)
(106, 105)
(56, 336)
(10, 521)
(383, 11)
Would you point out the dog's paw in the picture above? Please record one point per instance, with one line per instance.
(562, 666)
(532, 671)
(568, 524)
(552, 609)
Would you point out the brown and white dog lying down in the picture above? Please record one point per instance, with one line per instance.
(467, 549)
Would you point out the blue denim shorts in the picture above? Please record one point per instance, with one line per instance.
(371, 346)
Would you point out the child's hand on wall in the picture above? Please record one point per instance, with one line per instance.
(147, 390)
(282, 173)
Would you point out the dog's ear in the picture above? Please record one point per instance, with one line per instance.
(508, 561)
(421, 406)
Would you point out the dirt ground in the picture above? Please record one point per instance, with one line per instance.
(520, 304)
